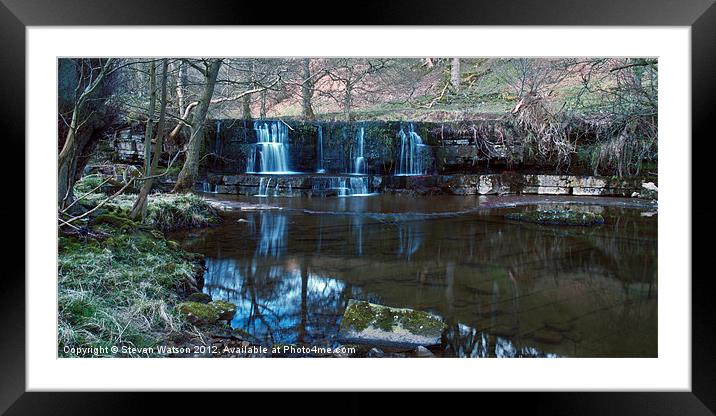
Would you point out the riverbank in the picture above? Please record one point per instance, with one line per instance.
(119, 281)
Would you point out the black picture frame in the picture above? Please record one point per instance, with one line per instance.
(15, 15)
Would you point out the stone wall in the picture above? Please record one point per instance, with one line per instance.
(460, 184)
(476, 148)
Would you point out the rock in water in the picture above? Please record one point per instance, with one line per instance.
(422, 352)
(226, 309)
(371, 324)
(199, 297)
(375, 353)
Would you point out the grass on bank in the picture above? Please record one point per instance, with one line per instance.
(119, 291)
(165, 212)
(119, 285)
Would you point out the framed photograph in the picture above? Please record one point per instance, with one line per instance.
(463, 198)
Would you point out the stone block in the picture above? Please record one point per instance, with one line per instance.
(384, 326)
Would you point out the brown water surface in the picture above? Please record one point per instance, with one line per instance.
(507, 289)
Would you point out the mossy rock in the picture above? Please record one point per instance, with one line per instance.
(557, 217)
(368, 323)
(226, 309)
(199, 313)
(116, 221)
(199, 297)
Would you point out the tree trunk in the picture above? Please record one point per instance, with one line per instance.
(246, 106)
(455, 74)
(262, 113)
(180, 87)
(246, 99)
(140, 205)
(190, 170)
(149, 129)
(347, 100)
(307, 90)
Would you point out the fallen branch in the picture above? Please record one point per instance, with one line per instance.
(287, 125)
(88, 193)
(101, 204)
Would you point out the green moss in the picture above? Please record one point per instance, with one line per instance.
(420, 322)
(360, 315)
(165, 212)
(199, 312)
(225, 309)
(557, 217)
(118, 221)
(384, 320)
(87, 184)
(199, 297)
(79, 310)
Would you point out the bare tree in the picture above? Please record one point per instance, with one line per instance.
(350, 75)
(140, 205)
(189, 172)
(307, 90)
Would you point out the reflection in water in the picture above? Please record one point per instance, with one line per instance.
(463, 341)
(410, 237)
(277, 303)
(505, 289)
(273, 235)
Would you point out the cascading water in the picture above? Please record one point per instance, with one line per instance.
(208, 187)
(412, 153)
(359, 167)
(270, 153)
(217, 138)
(320, 168)
(264, 184)
(343, 186)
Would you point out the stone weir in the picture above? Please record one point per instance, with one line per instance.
(370, 147)
(458, 184)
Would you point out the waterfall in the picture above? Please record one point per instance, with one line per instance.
(217, 138)
(343, 186)
(359, 167)
(270, 153)
(412, 153)
(358, 186)
(208, 187)
(264, 186)
(320, 168)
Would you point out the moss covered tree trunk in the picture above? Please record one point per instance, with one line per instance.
(190, 170)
